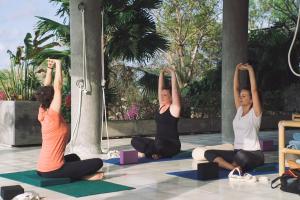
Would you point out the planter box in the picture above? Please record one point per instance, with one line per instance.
(131, 127)
(19, 124)
(199, 125)
(148, 128)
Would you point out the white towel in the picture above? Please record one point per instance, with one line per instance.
(198, 153)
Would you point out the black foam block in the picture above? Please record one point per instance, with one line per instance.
(207, 171)
(9, 192)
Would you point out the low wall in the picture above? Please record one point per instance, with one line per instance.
(148, 128)
(18, 123)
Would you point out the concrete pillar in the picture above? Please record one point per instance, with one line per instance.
(234, 47)
(88, 138)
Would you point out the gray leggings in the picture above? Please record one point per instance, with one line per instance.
(247, 160)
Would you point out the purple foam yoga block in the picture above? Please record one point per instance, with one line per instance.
(267, 145)
(128, 157)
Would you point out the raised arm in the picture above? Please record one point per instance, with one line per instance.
(160, 86)
(236, 86)
(57, 85)
(48, 78)
(176, 105)
(255, 96)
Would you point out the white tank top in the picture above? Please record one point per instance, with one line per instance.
(246, 130)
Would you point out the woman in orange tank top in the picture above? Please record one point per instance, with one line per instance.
(52, 162)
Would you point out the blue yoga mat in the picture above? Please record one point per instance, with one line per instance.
(223, 173)
(180, 156)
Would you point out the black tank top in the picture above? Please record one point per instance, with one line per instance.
(166, 126)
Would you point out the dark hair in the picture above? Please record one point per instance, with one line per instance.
(248, 89)
(169, 88)
(45, 95)
(250, 93)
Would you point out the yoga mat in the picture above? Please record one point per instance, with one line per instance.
(76, 189)
(180, 156)
(86, 188)
(223, 173)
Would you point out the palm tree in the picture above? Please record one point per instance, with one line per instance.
(130, 35)
(129, 30)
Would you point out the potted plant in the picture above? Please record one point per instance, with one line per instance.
(18, 113)
(18, 108)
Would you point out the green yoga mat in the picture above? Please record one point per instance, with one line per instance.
(76, 189)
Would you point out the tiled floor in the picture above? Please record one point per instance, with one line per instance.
(150, 179)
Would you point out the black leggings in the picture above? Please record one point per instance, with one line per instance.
(161, 147)
(74, 168)
(247, 160)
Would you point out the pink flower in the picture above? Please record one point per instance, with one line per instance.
(132, 112)
(68, 101)
(2, 96)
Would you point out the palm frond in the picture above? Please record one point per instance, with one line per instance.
(28, 45)
(40, 41)
(64, 8)
(61, 31)
(150, 44)
(148, 81)
(49, 46)
(51, 53)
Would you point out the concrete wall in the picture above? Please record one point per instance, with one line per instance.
(185, 126)
(19, 124)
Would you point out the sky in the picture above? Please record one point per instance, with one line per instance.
(17, 17)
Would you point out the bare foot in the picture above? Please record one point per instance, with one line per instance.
(155, 156)
(141, 155)
(94, 177)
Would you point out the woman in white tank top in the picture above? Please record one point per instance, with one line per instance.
(247, 153)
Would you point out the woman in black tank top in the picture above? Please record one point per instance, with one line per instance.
(166, 142)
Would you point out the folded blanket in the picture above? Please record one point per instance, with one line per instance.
(198, 153)
(296, 136)
(294, 144)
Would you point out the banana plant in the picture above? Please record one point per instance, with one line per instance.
(21, 80)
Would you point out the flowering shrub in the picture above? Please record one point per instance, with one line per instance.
(2, 96)
(140, 109)
(132, 113)
(68, 101)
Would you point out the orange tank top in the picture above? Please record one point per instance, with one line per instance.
(54, 140)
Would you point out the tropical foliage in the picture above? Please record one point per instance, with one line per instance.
(21, 80)
(268, 50)
(130, 35)
(142, 36)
